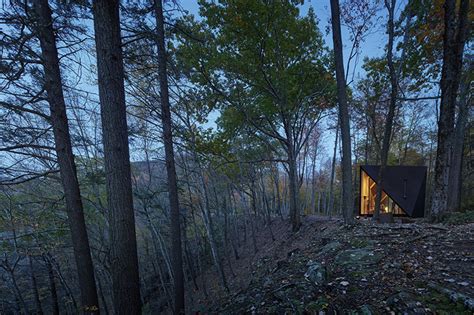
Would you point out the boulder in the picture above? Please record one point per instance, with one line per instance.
(405, 303)
(316, 273)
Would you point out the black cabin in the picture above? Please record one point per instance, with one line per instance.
(403, 190)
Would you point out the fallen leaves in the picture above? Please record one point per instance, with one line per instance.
(364, 267)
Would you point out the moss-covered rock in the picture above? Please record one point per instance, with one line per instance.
(316, 273)
(360, 257)
(330, 247)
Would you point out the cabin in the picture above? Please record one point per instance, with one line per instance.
(403, 190)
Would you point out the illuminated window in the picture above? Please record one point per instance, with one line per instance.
(368, 192)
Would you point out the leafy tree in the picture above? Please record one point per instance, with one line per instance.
(266, 69)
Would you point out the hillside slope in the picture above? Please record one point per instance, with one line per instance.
(417, 268)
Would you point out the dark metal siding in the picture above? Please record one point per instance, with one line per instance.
(410, 196)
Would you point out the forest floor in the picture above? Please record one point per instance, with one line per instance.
(410, 268)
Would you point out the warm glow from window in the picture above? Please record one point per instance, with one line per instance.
(368, 192)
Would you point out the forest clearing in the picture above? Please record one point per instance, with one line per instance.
(236, 157)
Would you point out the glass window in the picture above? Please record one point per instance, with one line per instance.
(368, 192)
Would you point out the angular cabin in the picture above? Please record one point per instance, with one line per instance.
(403, 190)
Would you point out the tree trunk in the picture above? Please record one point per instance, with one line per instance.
(226, 234)
(34, 285)
(197, 239)
(277, 190)
(249, 219)
(347, 200)
(124, 260)
(313, 180)
(65, 157)
(52, 287)
(391, 108)
(176, 251)
(453, 46)
(234, 235)
(64, 283)
(102, 296)
(455, 171)
(18, 293)
(187, 256)
(333, 171)
(293, 190)
(319, 203)
(162, 248)
(267, 207)
(209, 225)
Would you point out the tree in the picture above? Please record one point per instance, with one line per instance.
(455, 171)
(456, 26)
(65, 157)
(124, 259)
(347, 199)
(265, 67)
(170, 164)
(390, 4)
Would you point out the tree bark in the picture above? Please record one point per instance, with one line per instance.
(124, 259)
(454, 39)
(176, 251)
(313, 179)
(277, 190)
(65, 157)
(347, 200)
(333, 171)
(455, 171)
(293, 190)
(391, 108)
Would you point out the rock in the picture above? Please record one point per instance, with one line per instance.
(405, 303)
(363, 310)
(360, 257)
(330, 247)
(316, 273)
(454, 296)
(344, 283)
